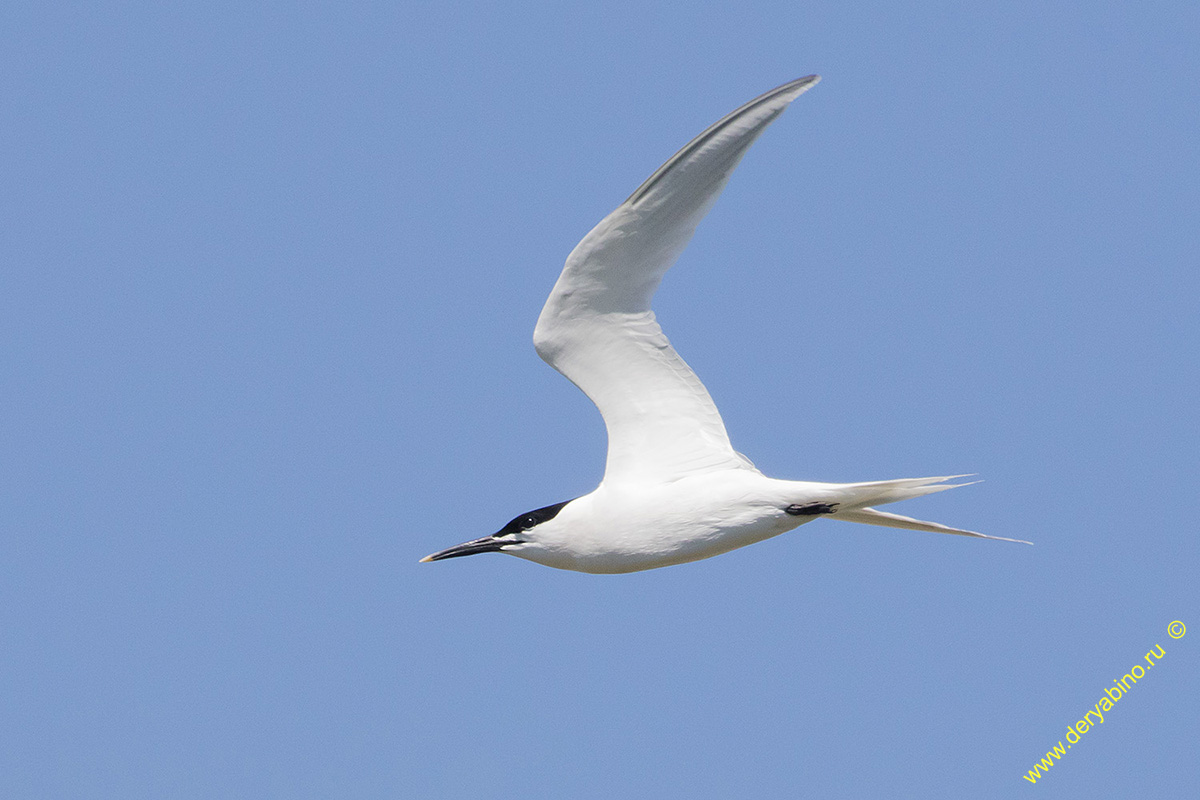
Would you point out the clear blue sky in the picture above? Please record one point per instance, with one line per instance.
(268, 278)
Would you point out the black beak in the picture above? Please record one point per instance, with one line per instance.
(488, 544)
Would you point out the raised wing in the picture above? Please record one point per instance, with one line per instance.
(597, 328)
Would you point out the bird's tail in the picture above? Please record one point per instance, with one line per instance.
(861, 496)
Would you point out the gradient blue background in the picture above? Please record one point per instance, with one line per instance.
(268, 277)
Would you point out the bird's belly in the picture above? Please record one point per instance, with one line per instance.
(662, 543)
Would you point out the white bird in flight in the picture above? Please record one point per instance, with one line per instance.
(674, 489)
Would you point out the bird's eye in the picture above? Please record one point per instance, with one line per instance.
(528, 521)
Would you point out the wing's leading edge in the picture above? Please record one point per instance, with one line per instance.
(597, 328)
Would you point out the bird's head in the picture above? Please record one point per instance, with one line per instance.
(521, 533)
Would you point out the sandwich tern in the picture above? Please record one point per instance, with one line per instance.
(674, 489)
